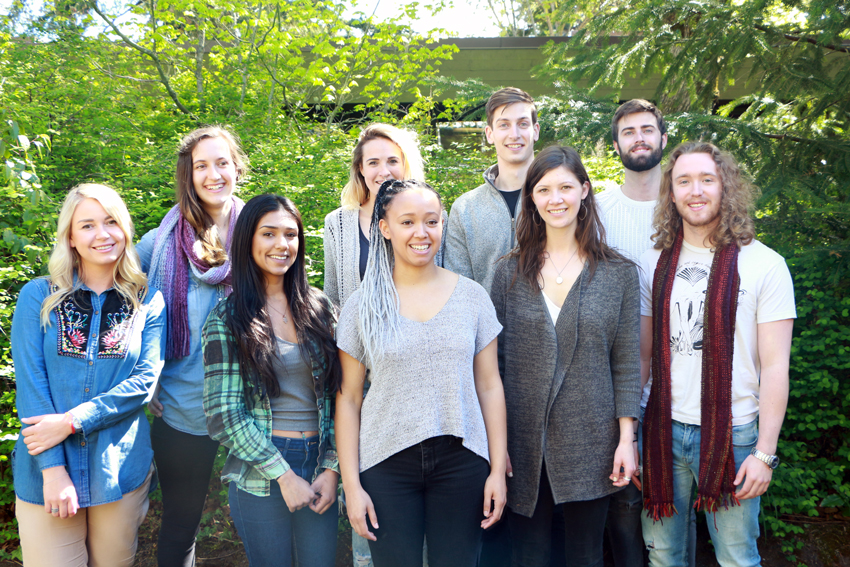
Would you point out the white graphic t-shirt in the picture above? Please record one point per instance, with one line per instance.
(766, 294)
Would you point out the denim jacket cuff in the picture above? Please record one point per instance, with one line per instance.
(86, 413)
(53, 457)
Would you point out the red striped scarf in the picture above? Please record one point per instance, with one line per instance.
(717, 460)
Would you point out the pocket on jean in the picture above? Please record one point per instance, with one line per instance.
(745, 435)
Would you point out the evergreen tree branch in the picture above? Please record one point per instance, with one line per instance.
(796, 38)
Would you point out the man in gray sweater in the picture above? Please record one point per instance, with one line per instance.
(482, 228)
(482, 222)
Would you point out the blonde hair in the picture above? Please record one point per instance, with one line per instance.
(738, 199)
(355, 192)
(212, 251)
(127, 275)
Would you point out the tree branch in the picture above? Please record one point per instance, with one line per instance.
(150, 54)
(795, 38)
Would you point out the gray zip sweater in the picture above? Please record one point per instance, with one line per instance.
(480, 231)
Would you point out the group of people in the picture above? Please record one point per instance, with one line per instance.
(492, 387)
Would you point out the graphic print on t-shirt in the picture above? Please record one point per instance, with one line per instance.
(688, 309)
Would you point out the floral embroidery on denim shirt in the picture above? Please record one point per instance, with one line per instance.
(74, 315)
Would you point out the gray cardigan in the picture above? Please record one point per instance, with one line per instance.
(342, 253)
(566, 385)
(480, 231)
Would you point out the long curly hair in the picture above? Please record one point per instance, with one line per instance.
(737, 201)
(531, 229)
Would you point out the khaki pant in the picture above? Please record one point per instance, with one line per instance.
(99, 536)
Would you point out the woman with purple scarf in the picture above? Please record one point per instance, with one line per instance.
(186, 257)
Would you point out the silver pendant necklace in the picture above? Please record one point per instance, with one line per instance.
(285, 320)
(559, 280)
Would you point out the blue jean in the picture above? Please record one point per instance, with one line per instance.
(733, 531)
(270, 531)
(434, 488)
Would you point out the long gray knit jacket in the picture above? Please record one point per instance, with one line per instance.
(566, 385)
(480, 231)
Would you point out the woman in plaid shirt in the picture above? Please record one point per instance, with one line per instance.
(271, 371)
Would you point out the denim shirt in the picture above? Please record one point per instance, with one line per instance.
(99, 360)
(182, 382)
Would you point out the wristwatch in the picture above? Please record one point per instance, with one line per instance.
(770, 460)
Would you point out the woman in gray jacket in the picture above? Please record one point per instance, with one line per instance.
(569, 358)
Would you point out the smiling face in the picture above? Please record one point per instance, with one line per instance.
(382, 160)
(640, 142)
(213, 173)
(557, 197)
(275, 245)
(697, 193)
(513, 133)
(414, 224)
(96, 236)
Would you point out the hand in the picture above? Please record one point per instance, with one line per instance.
(359, 505)
(154, 405)
(624, 458)
(509, 469)
(758, 476)
(636, 475)
(59, 493)
(296, 491)
(325, 488)
(46, 432)
(495, 497)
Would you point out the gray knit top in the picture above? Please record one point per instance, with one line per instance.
(424, 386)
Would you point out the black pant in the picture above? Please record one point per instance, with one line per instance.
(584, 530)
(436, 488)
(184, 463)
(624, 531)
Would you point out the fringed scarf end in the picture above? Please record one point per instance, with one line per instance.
(659, 511)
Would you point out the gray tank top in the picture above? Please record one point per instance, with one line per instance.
(295, 408)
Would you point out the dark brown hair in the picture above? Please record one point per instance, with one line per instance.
(531, 229)
(635, 106)
(508, 96)
(190, 206)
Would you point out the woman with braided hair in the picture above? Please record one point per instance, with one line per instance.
(429, 438)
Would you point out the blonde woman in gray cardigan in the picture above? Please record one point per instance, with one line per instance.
(569, 358)
(382, 152)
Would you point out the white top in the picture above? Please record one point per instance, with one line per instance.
(628, 223)
(554, 310)
(424, 387)
(628, 227)
(766, 294)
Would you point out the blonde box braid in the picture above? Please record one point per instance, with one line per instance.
(378, 307)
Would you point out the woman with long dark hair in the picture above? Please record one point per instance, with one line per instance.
(187, 258)
(569, 358)
(86, 342)
(428, 441)
(271, 374)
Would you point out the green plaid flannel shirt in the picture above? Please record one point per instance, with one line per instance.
(242, 422)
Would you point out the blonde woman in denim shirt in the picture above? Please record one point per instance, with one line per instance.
(186, 257)
(86, 342)
(271, 373)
